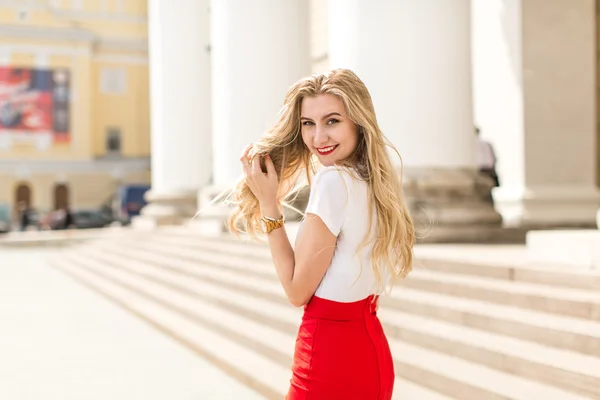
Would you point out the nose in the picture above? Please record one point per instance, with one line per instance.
(320, 137)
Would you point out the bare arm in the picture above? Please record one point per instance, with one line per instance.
(301, 272)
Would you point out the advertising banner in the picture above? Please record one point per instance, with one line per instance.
(34, 106)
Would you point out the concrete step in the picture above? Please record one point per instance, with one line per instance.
(565, 333)
(550, 299)
(526, 273)
(256, 252)
(496, 269)
(568, 370)
(552, 330)
(223, 353)
(271, 347)
(568, 302)
(542, 371)
(494, 355)
(451, 373)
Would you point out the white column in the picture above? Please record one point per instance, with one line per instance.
(535, 89)
(180, 106)
(258, 49)
(415, 58)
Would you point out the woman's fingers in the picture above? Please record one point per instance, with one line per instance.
(245, 157)
(270, 166)
(256, 164)
(244, 154)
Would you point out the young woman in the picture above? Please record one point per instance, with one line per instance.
(355, 241)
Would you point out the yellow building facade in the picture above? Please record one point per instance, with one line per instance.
(74, 102)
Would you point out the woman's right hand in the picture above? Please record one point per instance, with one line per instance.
(263, 185)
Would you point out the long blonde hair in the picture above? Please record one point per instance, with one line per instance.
(395, 235)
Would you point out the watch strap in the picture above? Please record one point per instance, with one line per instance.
(272, 223)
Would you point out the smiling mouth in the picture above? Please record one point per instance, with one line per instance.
(327, 150)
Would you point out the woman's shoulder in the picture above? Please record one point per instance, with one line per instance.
(335, 176)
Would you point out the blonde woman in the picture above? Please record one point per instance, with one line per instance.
(355, 241)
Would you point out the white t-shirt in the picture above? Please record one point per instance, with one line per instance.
(340, 199)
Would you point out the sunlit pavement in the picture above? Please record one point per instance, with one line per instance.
(59, 340)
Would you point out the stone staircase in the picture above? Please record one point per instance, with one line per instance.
(456, 331)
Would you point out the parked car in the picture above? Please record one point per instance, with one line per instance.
(80, 219)
(36, 219)
(127, 202)
(4, 218)
(84, 219)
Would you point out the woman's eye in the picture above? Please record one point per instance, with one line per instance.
(333, 121)
(307, 123)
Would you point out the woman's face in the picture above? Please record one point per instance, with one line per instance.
(326, 130)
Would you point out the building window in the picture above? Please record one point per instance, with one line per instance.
(23, 15)
(113, 141)
(113, 81)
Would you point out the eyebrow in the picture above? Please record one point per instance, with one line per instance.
(324, 117)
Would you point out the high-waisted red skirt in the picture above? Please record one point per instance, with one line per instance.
(341, 353)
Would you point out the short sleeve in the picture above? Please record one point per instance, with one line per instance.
(329, 196)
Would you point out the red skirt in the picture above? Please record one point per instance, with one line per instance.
(341, 353)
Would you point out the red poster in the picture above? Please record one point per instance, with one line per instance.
(34, 106)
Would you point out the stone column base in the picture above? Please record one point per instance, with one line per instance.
(166, 209)
(549, 206)
(451, 205)
(210, 218)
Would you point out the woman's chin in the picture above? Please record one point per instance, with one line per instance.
(326, 162)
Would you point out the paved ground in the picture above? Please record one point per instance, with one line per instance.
(59, 340)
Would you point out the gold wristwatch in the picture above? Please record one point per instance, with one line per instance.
(269, 224)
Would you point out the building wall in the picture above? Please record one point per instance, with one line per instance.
(129, 111)
(103, 46)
